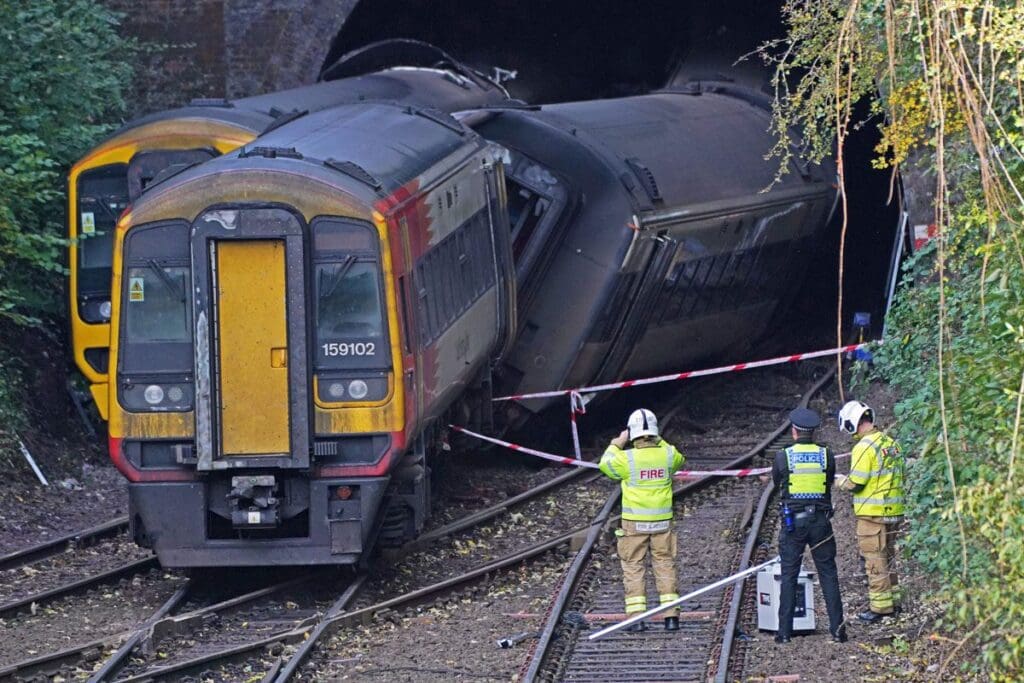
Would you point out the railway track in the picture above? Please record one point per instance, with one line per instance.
(713, 515)
(143, 643)
(285, 646)
(56, 546)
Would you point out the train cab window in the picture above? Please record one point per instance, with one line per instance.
(536, 198)
(102, 197)
(156, 332)
(351, 327)
(145, 167)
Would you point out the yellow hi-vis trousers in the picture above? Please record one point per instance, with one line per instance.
(632, 548)
(876, 540)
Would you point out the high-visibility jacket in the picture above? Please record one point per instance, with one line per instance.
(646, 476)
(877, 466)
(807, 463)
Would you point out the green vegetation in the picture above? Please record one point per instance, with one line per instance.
(947, 78)
(62, 74)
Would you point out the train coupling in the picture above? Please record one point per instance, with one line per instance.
(253, 504)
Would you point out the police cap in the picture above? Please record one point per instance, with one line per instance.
(805, 419)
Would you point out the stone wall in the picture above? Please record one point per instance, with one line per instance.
(226, 48)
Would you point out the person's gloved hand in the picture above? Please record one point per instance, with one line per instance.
(842, 481)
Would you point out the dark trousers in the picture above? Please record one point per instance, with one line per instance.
(815, 532)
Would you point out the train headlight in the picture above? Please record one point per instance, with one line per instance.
(175, 394)
(352, 389)
(153, 394)
(105, 310)
(357, 389)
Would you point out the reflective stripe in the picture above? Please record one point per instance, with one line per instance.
(630, 609)
(857, 500)
(646, 511)
(668, 597)
(632, 466)
(637, 600)
(859, 473)
(668, 463)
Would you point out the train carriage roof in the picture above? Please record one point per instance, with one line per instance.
(698, 145)
(366, 147)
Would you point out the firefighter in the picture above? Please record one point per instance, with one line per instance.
(876, 480)
(803, 475)
(645, 463)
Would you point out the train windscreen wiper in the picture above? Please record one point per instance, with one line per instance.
(171, 285)
(346, 266)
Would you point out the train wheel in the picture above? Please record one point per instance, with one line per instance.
(393, 530)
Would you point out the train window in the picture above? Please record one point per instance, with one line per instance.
(454, 274)
(351, 329)
(155, 303)
(102, 197)
(144, 167)
(526, 208)
(348, 300)
(157, 309)
(339, 236)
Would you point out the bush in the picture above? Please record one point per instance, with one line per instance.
(62, 74)
(946, 77)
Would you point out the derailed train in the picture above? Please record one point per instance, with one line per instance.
(118, 170)
(292, 320)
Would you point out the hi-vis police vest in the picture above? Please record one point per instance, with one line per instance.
(878, 467)
(806, 463)
(646, 476)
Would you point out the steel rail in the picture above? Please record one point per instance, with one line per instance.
(490, 512)
(555, 615)
(729, 633)
(299, 656)
(167, 624)
(357, 616)
(41, 551)
(117, 660)
(134, 567)
(569, 584)
(51, 662)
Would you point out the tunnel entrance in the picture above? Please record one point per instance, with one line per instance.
(579, 49)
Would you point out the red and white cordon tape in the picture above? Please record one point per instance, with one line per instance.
(681, 474)
(686, 375)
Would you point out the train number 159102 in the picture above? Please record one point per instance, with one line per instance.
(349, 349)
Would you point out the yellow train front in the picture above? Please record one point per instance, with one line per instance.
(290, 322)
(119, 169)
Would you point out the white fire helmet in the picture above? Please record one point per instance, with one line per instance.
(851, 415)
(642, 423)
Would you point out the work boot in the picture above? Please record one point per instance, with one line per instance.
(671, 623)
(869, 617)
(840, 636)
(636, 628)
(780, 638)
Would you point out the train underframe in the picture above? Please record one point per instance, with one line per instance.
(280, 517)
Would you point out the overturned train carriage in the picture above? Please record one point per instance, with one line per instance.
(290, 319)
(649, 233)
(117, 171)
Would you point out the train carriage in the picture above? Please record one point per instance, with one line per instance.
(116, 172)
(650, 233)
(291, 319)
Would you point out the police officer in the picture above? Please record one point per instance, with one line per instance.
(876, 480)
(803, 475)
(645, 463)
